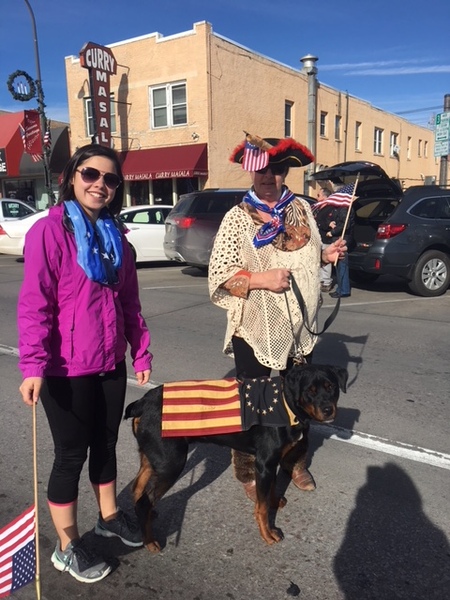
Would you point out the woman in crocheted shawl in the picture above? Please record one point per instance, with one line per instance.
(261, 243)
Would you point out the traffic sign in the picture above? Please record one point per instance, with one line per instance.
(442, 134)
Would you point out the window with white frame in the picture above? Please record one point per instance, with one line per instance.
(378, 141)
(168, 105)
(394, 148)
(337, 127)
(323, 124)
(288, 119)
(89, 115)
(358, 127)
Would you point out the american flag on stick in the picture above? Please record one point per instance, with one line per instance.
(18, 553)
(34, 157)
(343, 197)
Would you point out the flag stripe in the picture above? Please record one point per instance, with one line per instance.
(17, 552)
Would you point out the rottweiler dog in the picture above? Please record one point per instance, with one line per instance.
(310, 391)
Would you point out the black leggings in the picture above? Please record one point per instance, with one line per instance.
(248, 366)
(84, 414)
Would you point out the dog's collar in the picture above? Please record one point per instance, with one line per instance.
(300, 415)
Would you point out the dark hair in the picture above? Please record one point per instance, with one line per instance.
(66, 191)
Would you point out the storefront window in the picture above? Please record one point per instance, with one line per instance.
(162, 191)
(20, 189)
(139, 192)
(186, 185)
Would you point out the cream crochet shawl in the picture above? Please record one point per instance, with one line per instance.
(262, 319)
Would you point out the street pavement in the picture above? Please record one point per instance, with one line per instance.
(378, 525)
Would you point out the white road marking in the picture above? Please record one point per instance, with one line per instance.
(357, 438)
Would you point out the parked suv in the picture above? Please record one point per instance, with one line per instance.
(193, 222)
(406, 234)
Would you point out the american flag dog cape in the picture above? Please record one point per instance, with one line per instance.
(219, 406)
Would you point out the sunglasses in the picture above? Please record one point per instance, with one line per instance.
(277, 169)
(91, 175)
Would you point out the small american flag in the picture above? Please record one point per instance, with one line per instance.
(254, 158)
(48, 138)
(343, 197)
(18, 553)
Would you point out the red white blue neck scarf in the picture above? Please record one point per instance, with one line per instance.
(99, 246)
(269, 231)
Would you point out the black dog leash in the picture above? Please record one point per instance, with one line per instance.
(301, 303)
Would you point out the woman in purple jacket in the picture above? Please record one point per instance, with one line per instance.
(78, 309)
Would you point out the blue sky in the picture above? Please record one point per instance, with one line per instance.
(392, 53)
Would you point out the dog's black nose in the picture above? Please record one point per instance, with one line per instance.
(327, 411)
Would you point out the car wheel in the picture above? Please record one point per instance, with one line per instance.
(431, 275)
(362, 276)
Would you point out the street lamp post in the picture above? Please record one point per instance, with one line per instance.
(41, 110)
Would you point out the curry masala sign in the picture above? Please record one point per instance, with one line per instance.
(101, 64)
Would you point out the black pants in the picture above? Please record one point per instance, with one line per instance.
(84, 414)
(248, 366)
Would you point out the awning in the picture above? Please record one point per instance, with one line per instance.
(59, 155)
(10, 144)
(164, 163)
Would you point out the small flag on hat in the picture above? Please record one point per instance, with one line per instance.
(255, 153)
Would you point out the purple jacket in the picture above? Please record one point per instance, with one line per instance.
(68, 324)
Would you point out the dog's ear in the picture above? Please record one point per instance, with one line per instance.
(342, 377)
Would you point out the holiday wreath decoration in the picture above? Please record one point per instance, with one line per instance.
(21, 96)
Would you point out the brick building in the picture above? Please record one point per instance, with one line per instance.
(180, 103)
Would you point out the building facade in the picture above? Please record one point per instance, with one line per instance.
(22, 174)
(180, 104)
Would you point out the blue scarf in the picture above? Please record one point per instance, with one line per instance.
(99, 246)
(269, 231)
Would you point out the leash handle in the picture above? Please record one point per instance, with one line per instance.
(301, 303)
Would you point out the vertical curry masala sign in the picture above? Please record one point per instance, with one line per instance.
(101, 64)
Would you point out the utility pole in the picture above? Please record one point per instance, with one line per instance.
(310, 69)
(41, 111)
(444, 159)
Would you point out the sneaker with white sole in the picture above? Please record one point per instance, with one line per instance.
(81, 562)
(122, 527)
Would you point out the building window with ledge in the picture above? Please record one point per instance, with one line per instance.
(425, 149)
(358, 127)
(288, 118)
(89, 115)
(378, 141)
(337, 128)
(393, 145)
(408, 149)
(323, 124)
(168, 105)
(419, 149)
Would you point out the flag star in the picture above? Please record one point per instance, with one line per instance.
(254, 379)
(247, 395)
(276, 391)
(105, 255)
(249, 387)
(249, 403)
(275, 400)
(274, 385)
(264, 412)
(95, 250)
(271, 409)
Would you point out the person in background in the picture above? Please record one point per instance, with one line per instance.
(326, 271)
(78, 309)
(261, 244)
(331, 212)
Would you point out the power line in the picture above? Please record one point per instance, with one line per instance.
(416, 110)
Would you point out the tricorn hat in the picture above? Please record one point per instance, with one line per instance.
(278, 151)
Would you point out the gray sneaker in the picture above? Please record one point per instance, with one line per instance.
(122, 527)
(81, 562)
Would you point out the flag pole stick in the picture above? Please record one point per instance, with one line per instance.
(348, 214)
(36, 519)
